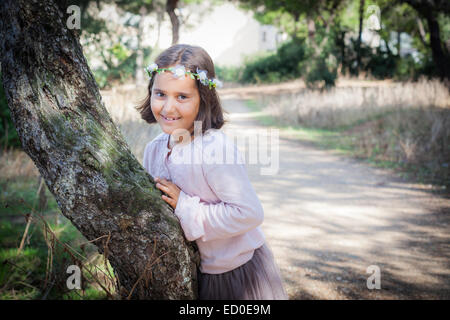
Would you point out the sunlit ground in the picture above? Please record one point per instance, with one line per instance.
(328, 218)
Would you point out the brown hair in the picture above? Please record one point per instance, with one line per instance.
(210, 111)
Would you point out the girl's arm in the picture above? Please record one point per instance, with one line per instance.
(145, 160)
(238, 212)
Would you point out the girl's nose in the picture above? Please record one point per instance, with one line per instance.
(170, 104)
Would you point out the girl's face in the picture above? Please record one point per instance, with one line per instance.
(175, 102)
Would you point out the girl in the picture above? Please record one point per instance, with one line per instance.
(213, 199)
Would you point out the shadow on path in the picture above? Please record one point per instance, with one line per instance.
(328, 218)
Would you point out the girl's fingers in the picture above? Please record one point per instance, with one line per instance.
(166, 182)
(168, 200)
(163, 187)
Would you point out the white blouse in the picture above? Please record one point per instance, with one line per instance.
(217, 206)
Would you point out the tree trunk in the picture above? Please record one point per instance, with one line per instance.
(140, 50)
(439, 57)
(98, 184)
(159, 19)
(311, 25)
(296, 16)
(358, 42)
(421, 31)
(342, 47)
(429, 11)
(170, 8)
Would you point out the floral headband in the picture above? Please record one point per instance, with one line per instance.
(179, 71)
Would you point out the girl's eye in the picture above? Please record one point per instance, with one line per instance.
(181, 97)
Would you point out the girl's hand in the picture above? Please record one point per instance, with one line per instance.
(172, 191)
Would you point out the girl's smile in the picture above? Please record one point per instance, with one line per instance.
(170, 119)
(174, 102)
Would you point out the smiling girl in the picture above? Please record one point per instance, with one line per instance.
(214, 201)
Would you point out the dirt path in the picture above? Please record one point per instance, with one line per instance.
(328, 218)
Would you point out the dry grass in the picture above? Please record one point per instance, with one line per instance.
(120, 102)
(16, 163)
(406, 123)
(346, 105)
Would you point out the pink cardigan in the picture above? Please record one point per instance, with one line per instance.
(217, 206)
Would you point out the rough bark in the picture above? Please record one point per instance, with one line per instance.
(98, 184)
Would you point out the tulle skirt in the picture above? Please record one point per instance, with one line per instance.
(257, 279)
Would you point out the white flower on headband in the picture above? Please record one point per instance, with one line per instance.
(179, 71)
(152, 67)
(218, 83)
(202, 75)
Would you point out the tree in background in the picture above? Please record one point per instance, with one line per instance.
(310, 20)
(124, 60)
(430, 11)
(333, 33)
(121, 57)
(360, 28)
(139, 8)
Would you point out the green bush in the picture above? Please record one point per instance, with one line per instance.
(120, 71)
(276, 67)
(319, 69)
(381, 65)
(320, 74)
(292, 60)
(406, 68)
(228, 74)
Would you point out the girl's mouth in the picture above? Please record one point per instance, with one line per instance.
(170, 119)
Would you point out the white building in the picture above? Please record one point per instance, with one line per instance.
(227, 33)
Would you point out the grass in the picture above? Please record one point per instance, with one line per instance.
(50, 245)
(409, 134)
